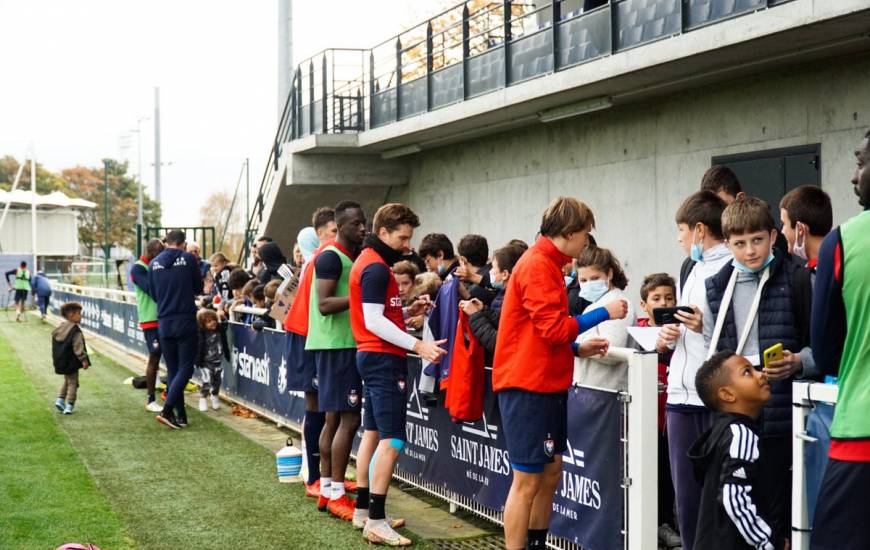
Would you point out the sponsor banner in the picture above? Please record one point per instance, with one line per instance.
(117, 321)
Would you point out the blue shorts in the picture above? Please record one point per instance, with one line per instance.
(386, 393)
(535, 425)
(152, 340)
(338, 382)
(301, 370)
(20, 296)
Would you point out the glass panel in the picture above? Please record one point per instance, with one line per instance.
(701, 12)
(447, 86)
(639, 21)
(384, 108)
(583, 38)
(486, 72)
(305, 119)
(413, 97)
(531, 56)
(318, 117)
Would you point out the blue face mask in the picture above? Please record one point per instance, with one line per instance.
(498, 285)
(697, 252)
(740, 267)
(592, 291)
(441, 269)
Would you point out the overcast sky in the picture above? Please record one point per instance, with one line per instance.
(77, 76)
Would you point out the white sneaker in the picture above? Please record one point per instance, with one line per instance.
(203, 404)
(378, 532)
(360, 517)
(154, 407)
(215, 402)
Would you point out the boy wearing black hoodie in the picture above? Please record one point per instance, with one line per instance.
(732, 516)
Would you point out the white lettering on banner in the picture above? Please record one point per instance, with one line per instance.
(477, 454)
(282, 375)
(563, 510)
(489, 431)
(253, 368)
(415, 407)
(118, 323)
(107, 319)
(422, 436)
(575, 486)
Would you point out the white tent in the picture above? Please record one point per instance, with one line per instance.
(56, 226)
(56, 199)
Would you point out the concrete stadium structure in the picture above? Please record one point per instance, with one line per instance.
(777, 90)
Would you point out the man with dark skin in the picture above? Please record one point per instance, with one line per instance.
(147, 311)
(331, 340)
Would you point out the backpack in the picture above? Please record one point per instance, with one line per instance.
(62, 355)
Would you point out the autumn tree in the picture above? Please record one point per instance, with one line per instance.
(46, 180)
(218, 211)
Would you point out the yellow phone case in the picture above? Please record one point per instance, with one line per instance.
(773, 353)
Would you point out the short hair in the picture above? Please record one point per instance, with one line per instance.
(406, 267)
(433, 243)
(258, 292)
(342, 207)
(264, 238)
(712, 376)
(475, 249)
(154, 247)
(721, 178)
(519, 243)
(69, 307)
(654, 281)
(426, 284)
(391, 215)
(322, 216)
(23, 264)
(809, 204)
(508, 256)
(566, 215)
(249, 287)
(205, 315)
(704, 207)
(176, 237)
(603, 260)
(272, 289)
(238, 278)
(747, 215)
(218, 258)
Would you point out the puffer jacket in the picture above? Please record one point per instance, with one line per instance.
(777, 324)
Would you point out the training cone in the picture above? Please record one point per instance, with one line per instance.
(288, 459)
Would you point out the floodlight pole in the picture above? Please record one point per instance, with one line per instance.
(106, 221)
(33, 205)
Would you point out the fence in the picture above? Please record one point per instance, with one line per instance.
(608, 495)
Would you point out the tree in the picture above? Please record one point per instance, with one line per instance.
(214, 212)
(87, 183)
(46, 180)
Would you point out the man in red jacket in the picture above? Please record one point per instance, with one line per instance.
(534, 366)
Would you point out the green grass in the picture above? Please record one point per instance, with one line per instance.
(203, 487)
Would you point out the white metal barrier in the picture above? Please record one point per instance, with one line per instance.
(96, 292)
(804, 394)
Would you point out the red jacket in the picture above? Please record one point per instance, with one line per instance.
(533, 347)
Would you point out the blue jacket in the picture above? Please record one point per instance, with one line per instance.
(778, 322)
(40, 285)
(175, 283)
(442, 322)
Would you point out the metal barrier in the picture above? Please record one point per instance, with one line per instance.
(123, 296)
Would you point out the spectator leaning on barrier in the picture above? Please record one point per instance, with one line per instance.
(378, 323)
(273, 259)
(533, 367)
(699, 232)
(841, 346)
(146, 310)
(437, 253)
(474, 269)
(405, 272)
(751, 306)
(175, 282)
(256, 262)
(40, 286)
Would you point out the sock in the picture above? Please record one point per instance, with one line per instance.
(325, 487)
(314, 422)
(337, 490)
(536, 538)
(362, 498)
(151, 398)
(376, 506)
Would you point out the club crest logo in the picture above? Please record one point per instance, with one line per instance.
(401, 385)
(353, 398)
(314, 383)
(549, 447)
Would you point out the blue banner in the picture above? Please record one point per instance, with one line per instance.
(117, 321)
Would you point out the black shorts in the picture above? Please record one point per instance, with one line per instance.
(535, 425)
(152, 340)
(301, 370)
(840, 520)
(339, 387)
(20, 295)
(386, 393)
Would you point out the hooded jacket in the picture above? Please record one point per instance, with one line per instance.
(68, 348)
(175, 282)
(732, 515)
(272, 258)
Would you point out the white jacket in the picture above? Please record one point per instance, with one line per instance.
(606, 372)
(691, 349)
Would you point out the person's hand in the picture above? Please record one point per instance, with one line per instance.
(785, 367)
(415, 323)
(617, 309)
(465, 272)
(470, 307)
(430, 351)
(85, 365)
(422, 305)
(694, 321)
(668, 335)
(593, 347)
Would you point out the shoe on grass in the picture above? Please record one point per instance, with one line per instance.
(350, 486)
(313, 489)
(203, 404)
(182, 420)
(153, 406)
(361, 516)
(68, 409)
(168, 420)
(60, 405)
(322, 503)
(669, 537)
(215, 402)
(378, 532)
(341, 507)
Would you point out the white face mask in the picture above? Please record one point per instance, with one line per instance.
(799, 250)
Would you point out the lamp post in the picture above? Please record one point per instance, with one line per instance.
(106, 246)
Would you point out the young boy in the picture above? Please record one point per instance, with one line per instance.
(751, 306)
(660, 290)
(733, 515)
(69, 354)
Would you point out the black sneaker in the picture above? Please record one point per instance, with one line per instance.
(181, 420)
(168, 419)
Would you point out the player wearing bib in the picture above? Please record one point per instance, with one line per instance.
(331, 341)
(378, 325)
(146, 308)
(21, 285)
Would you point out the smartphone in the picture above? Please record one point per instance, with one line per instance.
(773, 353)
(666, 315)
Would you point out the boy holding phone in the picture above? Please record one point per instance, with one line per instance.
(751, 306)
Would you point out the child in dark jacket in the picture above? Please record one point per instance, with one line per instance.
(734, 514)
(69, 354)
(212, 347)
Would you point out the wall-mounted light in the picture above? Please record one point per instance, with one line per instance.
(576, 109)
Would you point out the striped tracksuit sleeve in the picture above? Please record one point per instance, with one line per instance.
(736, 485)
